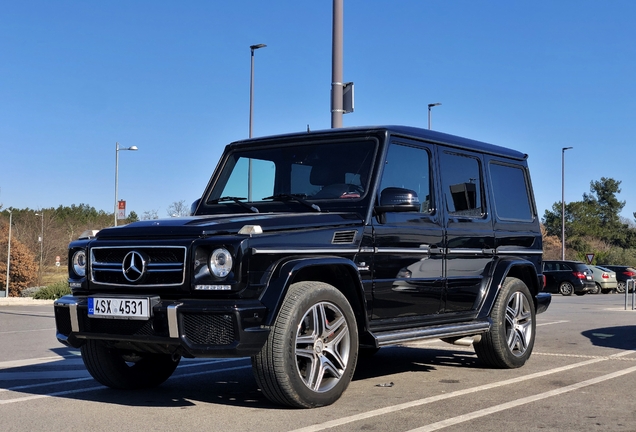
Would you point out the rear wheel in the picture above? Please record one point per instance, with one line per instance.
(620, 288)
(311, 353)
(566, 288)
(511, 339)
(115, 368)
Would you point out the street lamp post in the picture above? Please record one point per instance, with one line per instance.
(41, 246)
(431, 105)
(563, 201)
(249, 168)
(117, 149)
(337, 55)
(6, 286)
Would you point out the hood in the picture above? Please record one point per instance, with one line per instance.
(200, 226)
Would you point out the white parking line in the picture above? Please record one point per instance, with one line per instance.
(552, 322)
(429, 400)
(523, 401)
(84, 390)
(30, 362)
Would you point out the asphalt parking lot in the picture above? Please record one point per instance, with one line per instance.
(580, 377)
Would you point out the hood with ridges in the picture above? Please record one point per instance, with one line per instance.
(200, 226)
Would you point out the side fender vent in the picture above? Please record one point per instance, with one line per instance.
(343, 237)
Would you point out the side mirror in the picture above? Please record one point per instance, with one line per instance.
(394, 199)
(193, 207)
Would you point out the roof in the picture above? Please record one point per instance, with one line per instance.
(397, 130)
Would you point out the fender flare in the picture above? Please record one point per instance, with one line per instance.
(500, 270)
(286, 273)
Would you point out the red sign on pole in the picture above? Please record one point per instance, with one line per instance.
(121, 209)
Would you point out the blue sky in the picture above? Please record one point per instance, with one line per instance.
(172, 78)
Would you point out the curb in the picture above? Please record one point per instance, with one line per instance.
(23, 301)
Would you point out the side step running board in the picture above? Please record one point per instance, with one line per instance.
(442, 331)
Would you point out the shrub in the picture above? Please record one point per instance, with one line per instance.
(53, 291)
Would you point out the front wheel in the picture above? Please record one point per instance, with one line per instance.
(119, 369)
(597, 289)
(511, 339)
(311, 352)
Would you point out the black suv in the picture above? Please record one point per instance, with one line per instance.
(623, 275)
(568, 277)
(308, 249)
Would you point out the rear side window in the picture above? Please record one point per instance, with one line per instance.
(510, 190)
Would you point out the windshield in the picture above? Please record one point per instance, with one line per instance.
(312, 171)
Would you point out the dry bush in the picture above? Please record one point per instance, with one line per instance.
(24, 269)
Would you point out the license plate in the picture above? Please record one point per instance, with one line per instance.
(129, 308)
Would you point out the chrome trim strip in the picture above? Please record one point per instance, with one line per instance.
(421, 250)
(72, 310)
(173, 325)
(465, 251)
(520, 252)
(256, 251)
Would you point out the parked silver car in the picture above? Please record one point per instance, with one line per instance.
(604, 278)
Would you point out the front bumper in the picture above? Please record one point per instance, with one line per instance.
(189, 327)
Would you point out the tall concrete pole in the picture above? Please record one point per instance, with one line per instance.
(336, 65)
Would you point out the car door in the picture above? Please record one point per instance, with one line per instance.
(408, 262)
(470, 242)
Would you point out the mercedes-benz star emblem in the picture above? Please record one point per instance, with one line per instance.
(134, 266)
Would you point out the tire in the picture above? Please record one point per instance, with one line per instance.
(311, 352)
(566, 288)
(597, 289)
(117, 369)
(509, 343)
(620, 288)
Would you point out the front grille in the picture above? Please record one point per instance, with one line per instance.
(164, 265)
(209, 329)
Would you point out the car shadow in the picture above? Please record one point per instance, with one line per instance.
(226, 382)
(620, 337)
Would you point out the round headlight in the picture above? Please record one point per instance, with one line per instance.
(79, 263)
(220, 262)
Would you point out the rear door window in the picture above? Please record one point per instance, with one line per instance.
(510, 191)
(461, 184)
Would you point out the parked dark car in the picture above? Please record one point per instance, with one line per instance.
(623, 274)
(568, 277)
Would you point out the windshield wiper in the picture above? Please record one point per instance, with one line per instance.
(294, 197)
(238, 201)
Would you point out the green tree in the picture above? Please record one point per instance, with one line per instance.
(593, 221)
(132, 217)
